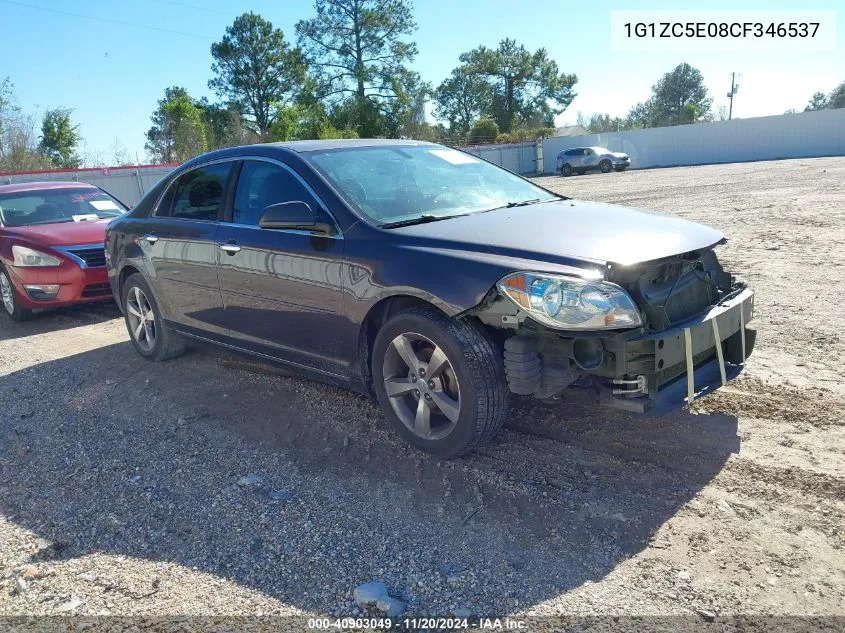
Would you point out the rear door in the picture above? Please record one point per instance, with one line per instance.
(180, 245)
(281, 289)
(576, 158)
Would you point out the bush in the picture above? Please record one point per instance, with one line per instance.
(483, 131)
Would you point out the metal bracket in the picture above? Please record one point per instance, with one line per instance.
(690, 370)
(640, 386)
(719, 353)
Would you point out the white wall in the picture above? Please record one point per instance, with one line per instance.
(127, 184)
(802, 135)
(520, 158)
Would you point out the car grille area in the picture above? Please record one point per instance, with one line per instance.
(96, 290)
(94, 257)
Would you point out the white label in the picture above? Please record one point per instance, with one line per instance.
(104, 205)
(453, 156)
(708, 30)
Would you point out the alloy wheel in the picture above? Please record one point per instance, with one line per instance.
(422, 386)
(6, 293)
(142, 321)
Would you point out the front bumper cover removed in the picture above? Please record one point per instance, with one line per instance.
(666, 370)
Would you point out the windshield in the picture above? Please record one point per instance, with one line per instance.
(52, 206)
(392, 184)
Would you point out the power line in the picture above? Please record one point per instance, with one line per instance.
(107, 20)
(185, 5)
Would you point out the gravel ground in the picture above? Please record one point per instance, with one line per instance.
(201, 486)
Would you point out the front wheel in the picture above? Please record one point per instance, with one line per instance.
(11, 304)
(605, 166)
(566, 170)
(150, 335)
(439, 381)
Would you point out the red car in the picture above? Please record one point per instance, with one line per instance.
(51, 245)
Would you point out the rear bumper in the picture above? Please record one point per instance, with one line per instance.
(76, 285)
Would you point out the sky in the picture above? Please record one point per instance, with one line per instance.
(111, 67)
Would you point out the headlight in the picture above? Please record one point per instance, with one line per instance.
(24, 256)
(569, 303)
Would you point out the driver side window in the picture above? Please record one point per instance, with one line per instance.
(262, 184)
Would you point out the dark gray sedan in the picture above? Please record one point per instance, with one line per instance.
(436, 281)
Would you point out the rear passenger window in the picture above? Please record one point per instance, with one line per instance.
(262, 184)
(197, 194)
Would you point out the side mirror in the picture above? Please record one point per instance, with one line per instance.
(294, 215)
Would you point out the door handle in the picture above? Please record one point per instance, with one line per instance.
(152, 238)
(230, 248)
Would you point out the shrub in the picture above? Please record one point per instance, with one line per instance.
(484, 131)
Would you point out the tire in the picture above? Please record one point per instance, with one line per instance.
(154, 339)
(606, 166)
(566, 170)
(473, 371)
(10, 303)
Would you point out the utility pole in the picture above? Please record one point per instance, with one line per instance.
(731, 94)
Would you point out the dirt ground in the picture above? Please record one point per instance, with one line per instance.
(125, 485)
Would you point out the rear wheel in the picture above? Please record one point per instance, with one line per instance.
(439, 381)
(12, 307)
(605, 166)
(150, 335)
(566, 170)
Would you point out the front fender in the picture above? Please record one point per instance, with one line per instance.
(453, 280)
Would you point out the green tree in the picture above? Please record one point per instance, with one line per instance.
(18, 135)
(599, 123)
(484, 131)
(224, 125)
(412, 123)
(255, 68)
(817, 102)
(679, 97)
(358, 51)
(178, 132)
(461, 99)
(188, 128)
(836, 99)
(59, 138)
(526, 85)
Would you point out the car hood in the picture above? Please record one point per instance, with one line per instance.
(566, 230)
(62, 233)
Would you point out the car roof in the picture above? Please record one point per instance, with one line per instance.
(298, 147)
(20, 187)
(341, 143)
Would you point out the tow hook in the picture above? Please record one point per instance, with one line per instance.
(631, 387)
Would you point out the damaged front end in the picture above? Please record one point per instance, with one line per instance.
(648, 337)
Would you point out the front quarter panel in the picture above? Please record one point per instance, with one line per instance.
(381, 264)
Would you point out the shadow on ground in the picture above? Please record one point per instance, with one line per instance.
(59, 319)
(140, 459)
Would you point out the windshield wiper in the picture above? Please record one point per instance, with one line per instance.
(522, 203)
(425, 218)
